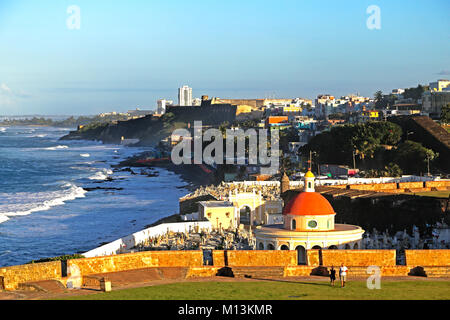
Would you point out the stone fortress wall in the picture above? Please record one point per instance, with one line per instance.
(11, 278)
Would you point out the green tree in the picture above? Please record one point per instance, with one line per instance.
(445, 114)
(413, 157)
(378, 95)
(414, 93)
(393, 170)
(286, 136)
(337, 145)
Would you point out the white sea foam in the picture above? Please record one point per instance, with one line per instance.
(57, 148)
(4, 253)
(101, 175)
(25, 203)
(2, 129)
(85, 155)
(3, 218)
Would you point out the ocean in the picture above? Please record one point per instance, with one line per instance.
(45, 210)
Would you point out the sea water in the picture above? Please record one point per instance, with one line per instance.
(44, 208)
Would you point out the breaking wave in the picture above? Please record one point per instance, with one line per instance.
(101, 175)
(57, 148)
(25, 203)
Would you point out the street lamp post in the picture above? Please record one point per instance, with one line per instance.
(317, 161)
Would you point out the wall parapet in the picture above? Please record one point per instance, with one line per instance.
(428, 258)
(241, 258)
(15, 275)
(354, 258)
(139, 237)
(133, 261)
(12, 277)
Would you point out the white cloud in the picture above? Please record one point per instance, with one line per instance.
(4, 89)
(9, 97)
(444, 73)
(5, 96)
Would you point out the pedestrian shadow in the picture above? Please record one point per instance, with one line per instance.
(326, 284)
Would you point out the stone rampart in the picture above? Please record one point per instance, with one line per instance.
(411, 185)
(427, 258)
(13, 276)
(437, 184)
(132, 261)
(355, 258)
(374, 187)
(239, 258)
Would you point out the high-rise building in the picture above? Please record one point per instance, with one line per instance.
(185, 96)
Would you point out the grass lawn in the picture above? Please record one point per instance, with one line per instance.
(281, 290)
(436, 194)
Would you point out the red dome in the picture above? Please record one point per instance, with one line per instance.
(309, 204)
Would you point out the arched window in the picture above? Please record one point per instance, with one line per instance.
(294, 224)
(261, 246)
(309, 185)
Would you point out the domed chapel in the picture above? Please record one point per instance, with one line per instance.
(308, 224)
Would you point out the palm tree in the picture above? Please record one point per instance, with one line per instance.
(378, 95)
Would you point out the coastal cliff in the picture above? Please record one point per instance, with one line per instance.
(150, 130)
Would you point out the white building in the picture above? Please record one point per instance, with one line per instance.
(398, 93)
(434, 101)
(162, 105)
(185, 96)
(197, 102)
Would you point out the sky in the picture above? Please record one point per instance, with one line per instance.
(128, 54)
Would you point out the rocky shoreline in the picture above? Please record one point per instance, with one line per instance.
(194, 176)
(191, 174)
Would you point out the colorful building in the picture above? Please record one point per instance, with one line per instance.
(221, 214)
(308, 224)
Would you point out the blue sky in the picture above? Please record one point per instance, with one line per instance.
(129, 54)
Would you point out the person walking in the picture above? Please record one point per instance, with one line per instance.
(343, 274)
(332, 275)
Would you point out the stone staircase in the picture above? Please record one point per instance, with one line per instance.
(124, 278)
(431, 272)
(258, 272)
(353, 272)
(48, 286)
(174, 273)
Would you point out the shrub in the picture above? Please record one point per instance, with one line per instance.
(60, 258)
